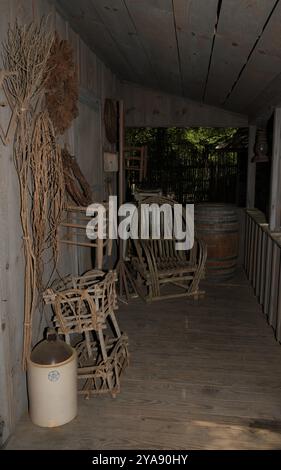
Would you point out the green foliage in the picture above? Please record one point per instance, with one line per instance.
(188, 162)
(202, 139)
(139, 136)
(207, 138)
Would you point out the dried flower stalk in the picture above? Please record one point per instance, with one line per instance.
(36, 155)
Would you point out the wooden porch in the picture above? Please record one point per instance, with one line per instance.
(203, 375)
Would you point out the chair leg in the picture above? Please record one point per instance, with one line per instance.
(88, 344)
(115, 324)
(105, 358)
(196, 296)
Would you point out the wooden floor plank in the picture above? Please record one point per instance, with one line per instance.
(203, 375)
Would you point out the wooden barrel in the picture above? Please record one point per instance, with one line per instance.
(217, 225)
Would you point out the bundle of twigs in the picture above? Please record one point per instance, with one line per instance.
(62, 85)
(36, 155)
(47, 191)
(76, 184)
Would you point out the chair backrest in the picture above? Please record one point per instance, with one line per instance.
(151, 250)
(83, 303)
(159, 222)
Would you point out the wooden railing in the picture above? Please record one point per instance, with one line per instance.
(262, 262)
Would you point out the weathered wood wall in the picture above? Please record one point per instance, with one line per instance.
(149, 108)
(86, 139)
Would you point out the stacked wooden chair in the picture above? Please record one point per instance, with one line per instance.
(135, 163)
(86, 306)
(160, 271)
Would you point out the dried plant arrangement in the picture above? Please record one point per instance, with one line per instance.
(76, 184)
(48, 192)
(62, 85)
(5, 134)
(37, 157)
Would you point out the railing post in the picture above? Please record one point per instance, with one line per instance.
(275, 203)
(251, 174)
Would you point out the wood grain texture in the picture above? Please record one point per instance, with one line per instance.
(154, 22)
(262, 265)
(263, 66)
(251, 172)
(149, 108)
(208, 379)
(262, 108)
(86, 139)
(116, 16)
(275, 184)
(85, 20)
(23, 11)
(195, 37)
(223, 53)
(240, 24)
(12, 378)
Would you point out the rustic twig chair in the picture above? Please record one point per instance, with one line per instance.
(156, 265)
(83, 305)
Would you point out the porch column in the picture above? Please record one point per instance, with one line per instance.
(275, 203)
(251, 173)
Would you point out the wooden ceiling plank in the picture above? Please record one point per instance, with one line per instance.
(86, 22)
(262, 68)
(154, 22)
(77, 11)
(240, 24)
(150, 108)
(195, 22)
(116, 18)
(263, 106)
